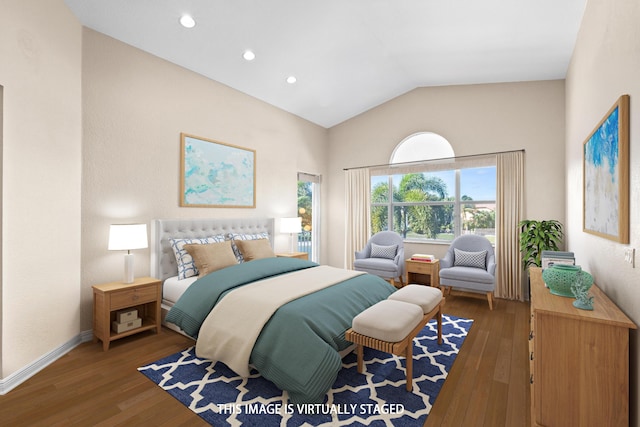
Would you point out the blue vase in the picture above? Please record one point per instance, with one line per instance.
(559, 278)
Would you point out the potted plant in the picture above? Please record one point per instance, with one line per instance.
(537, 236)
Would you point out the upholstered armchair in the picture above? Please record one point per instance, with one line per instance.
(470, 265)
(383, 256)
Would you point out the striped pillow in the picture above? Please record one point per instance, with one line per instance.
(378, 251)
(470, 259)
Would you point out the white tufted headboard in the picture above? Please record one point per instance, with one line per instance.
(163, 261)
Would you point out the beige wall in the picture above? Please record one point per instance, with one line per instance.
(40, 70)
(134, 107)
(605, 65)
(475, 119)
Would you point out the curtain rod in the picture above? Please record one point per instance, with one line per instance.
(418, 162)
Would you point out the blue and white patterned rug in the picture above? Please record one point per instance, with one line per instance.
(376, 398)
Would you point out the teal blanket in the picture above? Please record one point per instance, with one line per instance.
(298, 347)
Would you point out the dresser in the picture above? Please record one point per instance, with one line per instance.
(578, 360)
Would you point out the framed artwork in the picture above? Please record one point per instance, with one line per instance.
(606, 175)
(216, 175)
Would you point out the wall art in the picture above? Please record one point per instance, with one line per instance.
(215, 174)
(606, 175)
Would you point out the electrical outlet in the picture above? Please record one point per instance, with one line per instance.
(629, 256)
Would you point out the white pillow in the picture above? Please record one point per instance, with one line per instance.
(379, 251)
(186, 265)
(470, 259)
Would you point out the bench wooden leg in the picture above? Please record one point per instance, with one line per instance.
(360, 354)
(409, 361)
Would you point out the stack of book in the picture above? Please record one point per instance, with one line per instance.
(423, 257)
(549, 258)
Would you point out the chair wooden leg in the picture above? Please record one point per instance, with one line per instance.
(490, 299)
(360, 354)
(401, 282)
(409, 360)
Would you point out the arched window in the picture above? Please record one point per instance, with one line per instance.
(421, 146)
(426, 194)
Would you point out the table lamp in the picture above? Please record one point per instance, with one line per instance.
(125, 237)
(291, 226)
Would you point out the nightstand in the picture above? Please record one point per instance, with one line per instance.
(144, 294)
(300, 255)
(423, 273)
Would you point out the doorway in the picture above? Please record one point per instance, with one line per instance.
(309, 211)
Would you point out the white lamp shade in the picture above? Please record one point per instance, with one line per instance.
(124, 237)
(290, 225)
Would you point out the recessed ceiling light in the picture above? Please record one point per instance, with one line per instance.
(291, 80)
(187, 21)
(249, 55)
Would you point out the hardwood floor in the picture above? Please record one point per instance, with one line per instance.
(487, 386)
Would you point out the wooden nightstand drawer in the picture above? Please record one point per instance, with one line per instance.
(299, 255)
(422, 268)
(129, 297)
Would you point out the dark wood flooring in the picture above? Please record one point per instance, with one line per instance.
(487, 386)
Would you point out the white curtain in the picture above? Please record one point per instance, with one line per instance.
(357, 209)
(509, 212)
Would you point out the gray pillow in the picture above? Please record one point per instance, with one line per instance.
(469, 259)
(378, 251)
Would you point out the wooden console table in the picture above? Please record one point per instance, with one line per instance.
(578, 360)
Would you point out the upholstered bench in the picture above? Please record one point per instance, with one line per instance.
(391, 325)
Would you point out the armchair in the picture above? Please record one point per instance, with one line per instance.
(470, 264)
(383, 256)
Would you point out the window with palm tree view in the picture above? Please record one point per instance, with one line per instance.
(435, 206)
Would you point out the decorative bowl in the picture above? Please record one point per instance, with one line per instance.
(560, 277)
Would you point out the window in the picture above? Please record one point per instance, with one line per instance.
(435, 201)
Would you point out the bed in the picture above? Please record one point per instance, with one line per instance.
(163, 261)
(283, 317)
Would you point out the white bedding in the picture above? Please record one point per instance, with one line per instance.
(172, 289)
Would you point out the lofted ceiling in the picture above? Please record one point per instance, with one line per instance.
(347, 55)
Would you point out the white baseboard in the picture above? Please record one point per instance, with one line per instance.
(22, 375)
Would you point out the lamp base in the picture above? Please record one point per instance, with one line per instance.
(128, 268)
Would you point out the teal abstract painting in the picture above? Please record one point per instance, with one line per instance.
(215, 174)
(606, 175)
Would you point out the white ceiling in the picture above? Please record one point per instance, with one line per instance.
(347, 55)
